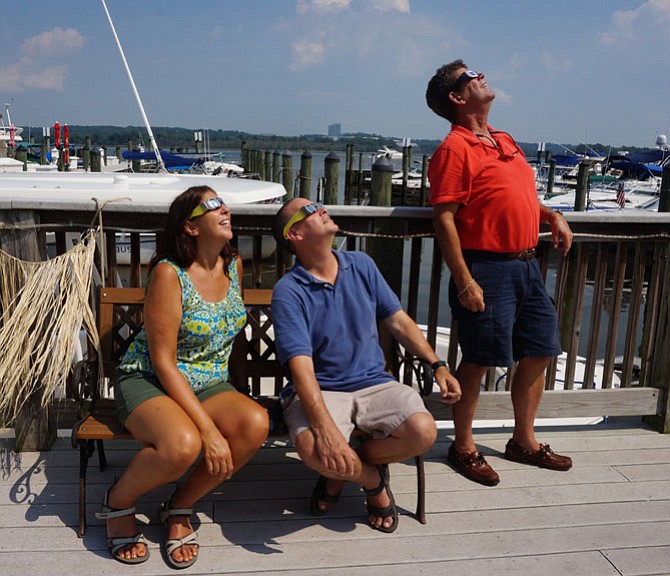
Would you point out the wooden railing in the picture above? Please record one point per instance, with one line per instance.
(612, 291)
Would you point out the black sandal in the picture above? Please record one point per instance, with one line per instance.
(320, 494)
(390, 510)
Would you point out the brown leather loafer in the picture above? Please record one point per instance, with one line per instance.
(473, 466)
(545, 457)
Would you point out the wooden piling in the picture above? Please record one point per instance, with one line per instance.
(305, 174)
(267, 164)
(664, 201)
(287, 174)
(276, 166)
(582, 186)
(387, 252)
(95, 160)
(331, 173)
(551, 177)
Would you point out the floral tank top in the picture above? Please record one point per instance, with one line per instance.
(205, 336)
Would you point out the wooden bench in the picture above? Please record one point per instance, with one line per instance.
(119, 313)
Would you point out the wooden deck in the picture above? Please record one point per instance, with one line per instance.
(609, 515)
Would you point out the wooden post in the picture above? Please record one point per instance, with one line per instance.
(387, 253)
(44, 146)
(276, 166)
(267, 162)
(287, 174)
(95, 160)
(86, 158)
(35, 428)
(664, 201)
(305, 174)
(22, 156)
(582, 186)
(244, 155)
(380, 193)
(331, 172)
(551, 176)
(118, 153)
(424, 180)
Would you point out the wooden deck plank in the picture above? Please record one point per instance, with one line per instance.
(609, 515)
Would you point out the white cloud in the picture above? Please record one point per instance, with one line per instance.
(14, 78)
(502, 96)
(551, 63)
(322, 6)
(55, 40)
(390, 5)
(628, 24)
(216, 32)
(307, 54)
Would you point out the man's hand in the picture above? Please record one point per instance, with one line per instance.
(450, 388)
(560, 232)
(334, 452)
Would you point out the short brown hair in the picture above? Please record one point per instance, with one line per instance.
(439, 88)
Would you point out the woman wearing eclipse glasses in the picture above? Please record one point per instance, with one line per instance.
(175, 391)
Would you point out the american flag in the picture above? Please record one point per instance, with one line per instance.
(620, 196)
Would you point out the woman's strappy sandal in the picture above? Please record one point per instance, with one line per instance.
(173, 544)
(116, 544)
(390, 510)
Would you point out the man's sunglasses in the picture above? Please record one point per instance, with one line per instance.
(301, 214)
(464, 79)
(206, 206)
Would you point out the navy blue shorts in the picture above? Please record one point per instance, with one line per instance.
(519, 320)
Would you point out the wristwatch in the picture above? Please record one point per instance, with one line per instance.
(435, 365)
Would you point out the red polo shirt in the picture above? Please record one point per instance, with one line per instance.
(495, 187)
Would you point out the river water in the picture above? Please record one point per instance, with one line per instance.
(444, 316)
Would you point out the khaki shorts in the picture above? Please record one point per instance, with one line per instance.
(377, 410)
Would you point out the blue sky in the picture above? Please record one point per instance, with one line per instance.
(572, 71)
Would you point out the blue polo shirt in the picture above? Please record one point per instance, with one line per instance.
(336, 325)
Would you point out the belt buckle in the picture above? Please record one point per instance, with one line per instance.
(526, 254)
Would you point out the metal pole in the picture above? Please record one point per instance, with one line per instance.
(154, 146)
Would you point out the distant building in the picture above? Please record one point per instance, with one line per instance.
(335, 131)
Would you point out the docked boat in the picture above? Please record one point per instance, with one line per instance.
(9, 134)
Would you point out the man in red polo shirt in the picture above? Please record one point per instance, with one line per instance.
(487, 216)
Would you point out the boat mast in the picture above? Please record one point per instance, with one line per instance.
(152, 140)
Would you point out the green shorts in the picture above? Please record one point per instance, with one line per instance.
(131, 389)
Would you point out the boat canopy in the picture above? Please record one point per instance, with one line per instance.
(171, 161)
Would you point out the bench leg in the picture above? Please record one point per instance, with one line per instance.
(420, 490)
(85, 451)
(102, 459)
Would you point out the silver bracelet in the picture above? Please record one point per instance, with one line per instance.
(467, 287)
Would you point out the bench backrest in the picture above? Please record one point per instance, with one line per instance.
(120, 316)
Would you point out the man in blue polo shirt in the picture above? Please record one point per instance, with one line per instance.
(325, 313)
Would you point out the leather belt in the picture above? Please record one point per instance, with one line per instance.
(523, 255)
(485, 255)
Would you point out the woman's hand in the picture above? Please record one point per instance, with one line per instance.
(216, 454)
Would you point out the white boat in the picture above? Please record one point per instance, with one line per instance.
(413, 179)
(26, 189)
(9, 134)
(389, 153)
